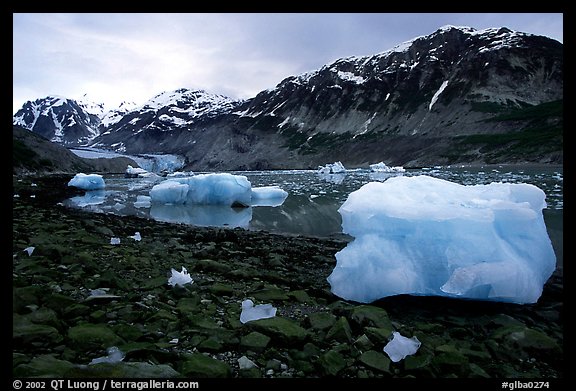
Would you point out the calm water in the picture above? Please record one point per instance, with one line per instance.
(311, 207)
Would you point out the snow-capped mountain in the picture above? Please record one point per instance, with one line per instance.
(159, 117)
(456, 95)
(60, 120)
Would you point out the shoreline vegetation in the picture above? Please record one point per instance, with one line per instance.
(194, 331)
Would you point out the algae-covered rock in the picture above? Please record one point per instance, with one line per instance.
(321, 320)
(375, 360)
(281, 329)
(332, 362)
(254, 341)
(44, 366)
(369, 315)
(200, 366)
(340, 331)
(93, 336)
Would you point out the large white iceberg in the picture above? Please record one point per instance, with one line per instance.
(87, 181)
(204, 189)
(426, 236)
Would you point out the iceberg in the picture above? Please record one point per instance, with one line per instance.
(426, 236)
(204, 189)
(87, 181)
(334, 168)
(180, 278)
(268, 196)
(400, 346)
(382, 167)
(251, 312)
(135, 172)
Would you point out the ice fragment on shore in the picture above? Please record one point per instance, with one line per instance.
(29, 250)
(114, 356)
(136, 236)
(422, 235)
(114, 240)
(400, 346)
(180, 278)
(251, 312)
(245, 363)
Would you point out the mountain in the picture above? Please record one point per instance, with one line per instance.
(458, 95)
(33, 153)
(153, 123)
(60, 120)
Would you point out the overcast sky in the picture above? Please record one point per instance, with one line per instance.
(117, 56)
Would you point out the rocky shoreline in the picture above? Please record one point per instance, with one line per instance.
(77, 295)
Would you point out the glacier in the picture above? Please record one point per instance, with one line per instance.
(421, 235)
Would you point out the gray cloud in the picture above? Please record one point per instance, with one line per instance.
(113, 57)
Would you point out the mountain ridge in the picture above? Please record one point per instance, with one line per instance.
(430, 100)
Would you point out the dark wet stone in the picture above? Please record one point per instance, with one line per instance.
(254, 341)
(340, 331)
(141, 370)
(281, 329)
(26, 332)
(321, 320)
(44, 366)
(375, 360)
(200, 366)
(332, 362)
(368, 315)
(93, 336)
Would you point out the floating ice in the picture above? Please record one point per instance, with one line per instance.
(29, 250)
(114, 356)
(142, 201)
(426, 236)
(204, 189)
(400, 347)
(135, 172)
(382, 167)
(87, 181)
(114, 240)
(136, 236)
(180, 278)
(251, 312)
(333, 168)
(268, 196)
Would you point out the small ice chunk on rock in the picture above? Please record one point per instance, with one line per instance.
(114, 356)
(251, 312)
(29, 250)
(180, 278)
(114, 240)
(87, 181)
(245, 363)
(136, 236)
(400, 346)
